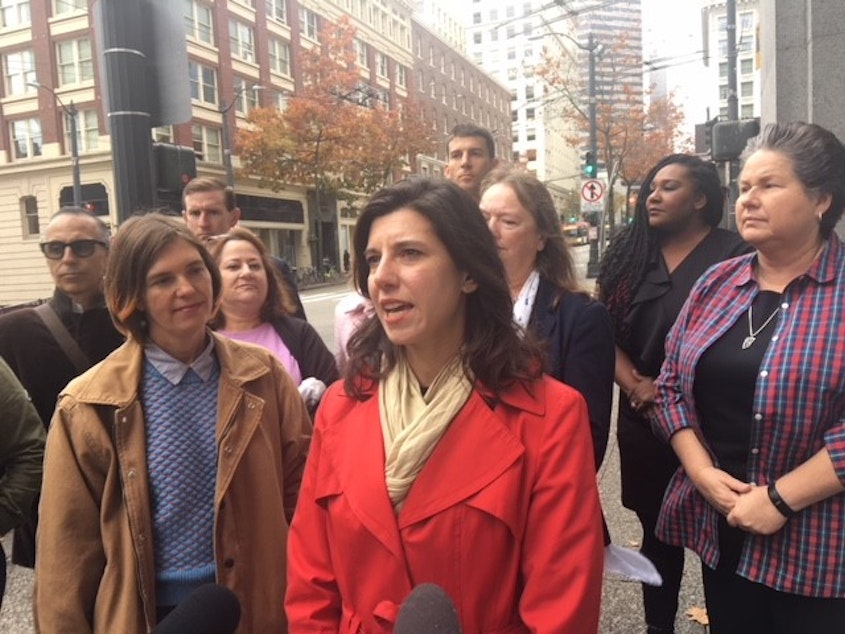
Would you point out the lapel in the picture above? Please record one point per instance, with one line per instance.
(358, 449)
(476, 449)
(543, 314)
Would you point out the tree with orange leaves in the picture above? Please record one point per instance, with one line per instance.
(336, 135)
(630, 136)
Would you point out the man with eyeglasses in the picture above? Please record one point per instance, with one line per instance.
(75, 244)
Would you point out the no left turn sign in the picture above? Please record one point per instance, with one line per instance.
(592, 191)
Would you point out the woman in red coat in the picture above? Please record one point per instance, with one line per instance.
(444, 457)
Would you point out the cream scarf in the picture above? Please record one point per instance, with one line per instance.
(412, 423)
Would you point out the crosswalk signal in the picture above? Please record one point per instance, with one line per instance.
(590, 169)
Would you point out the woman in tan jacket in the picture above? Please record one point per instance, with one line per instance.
(174, 462)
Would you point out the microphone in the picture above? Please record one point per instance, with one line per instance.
(210, 609)
(427, 610)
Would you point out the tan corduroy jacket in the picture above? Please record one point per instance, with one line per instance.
(95, 570)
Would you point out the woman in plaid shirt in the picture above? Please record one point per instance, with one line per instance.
(752, 399)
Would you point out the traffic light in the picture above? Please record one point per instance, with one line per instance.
(590, 169)
(175, 166)
(730, 138)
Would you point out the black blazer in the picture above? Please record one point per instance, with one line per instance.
(580, 351)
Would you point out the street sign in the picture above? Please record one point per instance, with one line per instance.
(592, 195)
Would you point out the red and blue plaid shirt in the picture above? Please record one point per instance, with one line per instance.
(799, 407)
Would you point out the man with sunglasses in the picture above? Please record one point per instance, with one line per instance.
(75, 245)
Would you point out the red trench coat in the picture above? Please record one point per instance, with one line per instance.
(504, 516)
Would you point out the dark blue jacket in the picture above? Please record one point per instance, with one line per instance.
(578, 337)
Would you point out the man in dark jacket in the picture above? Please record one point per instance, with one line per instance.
(75, 245)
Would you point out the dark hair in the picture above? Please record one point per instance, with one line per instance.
(137, 245)
(278, 302)
(554, 262)
(209, 184)
(624, 264)
(493, 350)
(817, 158)
(81, 212)
(470, 129)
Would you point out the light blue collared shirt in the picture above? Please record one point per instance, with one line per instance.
(174, 370)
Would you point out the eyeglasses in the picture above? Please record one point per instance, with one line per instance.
(55, 250)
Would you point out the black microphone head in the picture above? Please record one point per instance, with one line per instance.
(210, 609)
(427, 610)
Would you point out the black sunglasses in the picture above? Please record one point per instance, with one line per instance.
(55, 250)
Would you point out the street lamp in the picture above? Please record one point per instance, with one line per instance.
(70, 112)
(227, 146)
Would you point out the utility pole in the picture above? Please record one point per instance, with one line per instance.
(733, 108)
(595, 245)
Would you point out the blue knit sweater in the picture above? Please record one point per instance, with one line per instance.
(182, 465)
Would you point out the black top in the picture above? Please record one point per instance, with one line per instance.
(661, 296)
(725, 380)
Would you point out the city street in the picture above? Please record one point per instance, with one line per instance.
(621, 608)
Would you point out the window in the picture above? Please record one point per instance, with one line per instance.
(29, 217)
(280, 100)
(529, 92)
(746, 45)
(276, 11)
(73, 58)
(476, 18)
(69, 6)
(746, 66)
(723, 70)
(511, 32)
(87, 131)
(308, 23)
(206, 143)
(242, 40)
(531, 134)
(401, 76)
(746, 21)
(246, 96)
(721, 24)
(511, 53)
(476, 37)
(509, 11)
(432, 89)
(14, 13)
(746, 112)
(420, 81)
(746, 89)
(26, 138)
(723, 92)
(382, 65)
(18, 71)
(494, 35)
(361, 53)
(163, 134)
(529, 114)
(515, 116)
(198, 21)
(723, 48)
(279, 55)
(203, 83)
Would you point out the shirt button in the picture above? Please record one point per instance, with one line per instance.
(228, 563)
(764, 374)
(752, 483)
(774, 338)
(784, 306)
(251, 406)
(131, 474)
(123, 419)
(758, 416)
(227, 449)
(755, 451)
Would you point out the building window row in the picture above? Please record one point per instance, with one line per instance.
(198, 21)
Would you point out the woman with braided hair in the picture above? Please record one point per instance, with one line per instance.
(644, 279)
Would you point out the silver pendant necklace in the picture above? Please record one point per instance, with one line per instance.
(752, 334)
